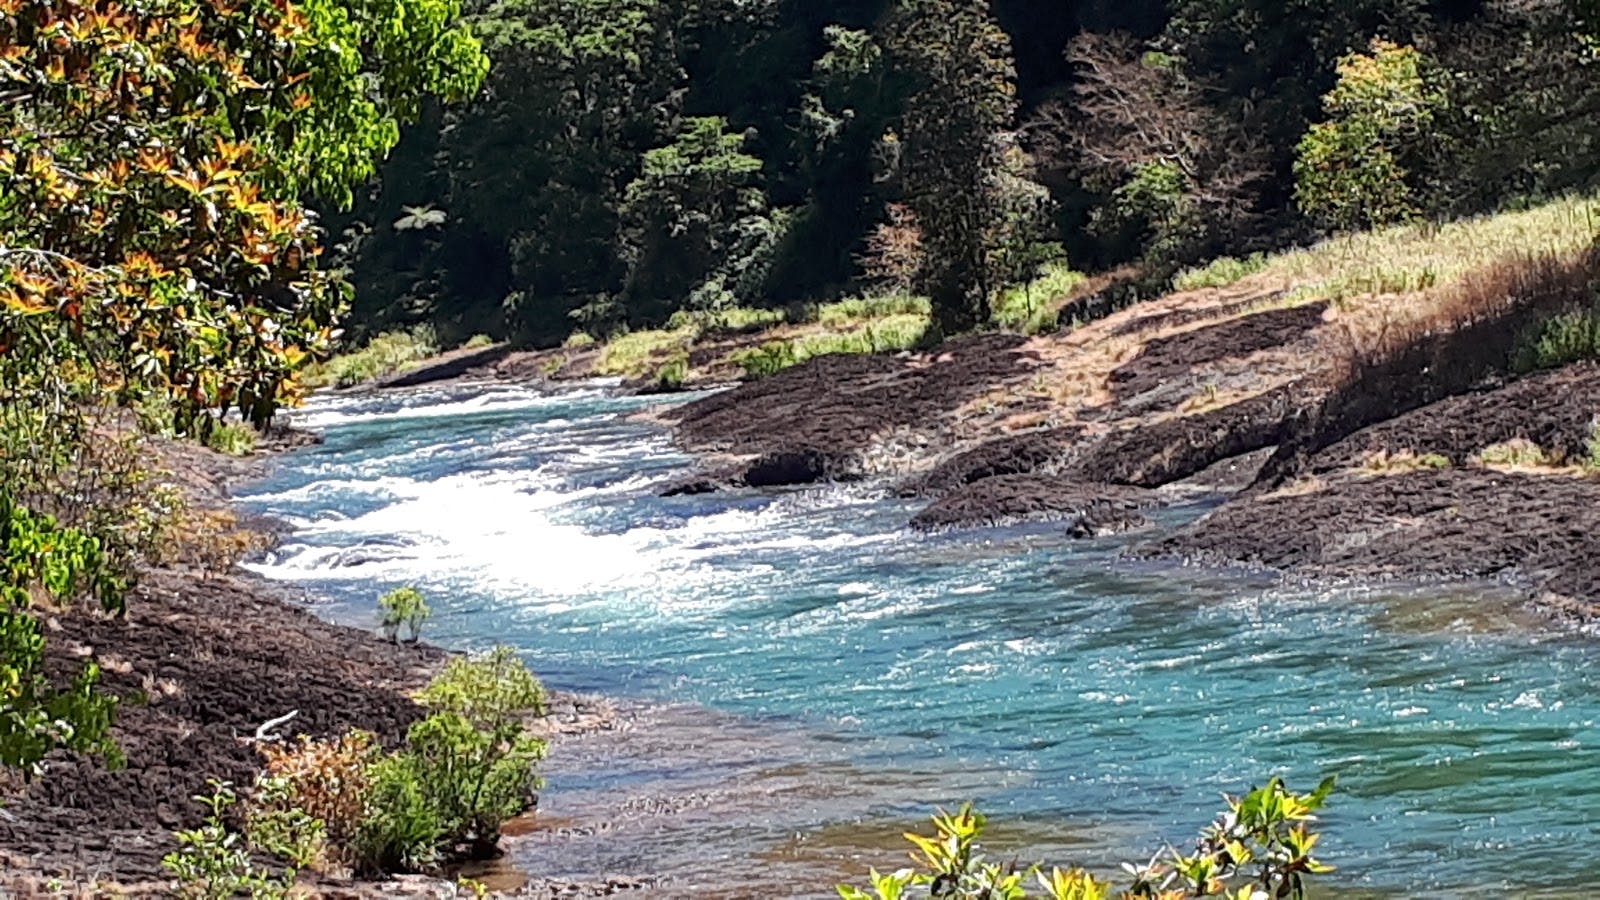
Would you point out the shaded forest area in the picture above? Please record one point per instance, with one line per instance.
(628, 159)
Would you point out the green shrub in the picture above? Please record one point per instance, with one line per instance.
(1220, 273)
(1592, 460)
(465, 769)
(403, 607)
(385, 354)
(637, 353)
(231, 438)
(1028, 307)
(213, 863)
(1259, 849)
(472, 779)
(400, 830)
(846, 313)
(1560, 340)
(478, 342)
(579, 340)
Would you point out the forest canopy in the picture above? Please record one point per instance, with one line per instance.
(628, 159)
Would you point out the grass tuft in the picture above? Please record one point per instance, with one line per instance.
(1408, 258)
(1033, 308)
(638, 354)
(1220, 273)
(856, 310)
(385, 354)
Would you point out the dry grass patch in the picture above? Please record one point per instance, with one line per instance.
(1384, 462)
(1410, 258)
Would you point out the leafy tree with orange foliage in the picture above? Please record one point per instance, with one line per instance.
(155, 156)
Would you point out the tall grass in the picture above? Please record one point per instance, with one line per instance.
(735, 320)
(1033, 307)
(1408, 258)
(385, 354)
(1220, 273)
(884, 335)
(856, 310)
(638, 353)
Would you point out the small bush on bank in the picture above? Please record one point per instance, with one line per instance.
(403, 607)
(231, 438)
(638, 353)
(1260, 849)
(1559, 341)
(1220, 273)
(345, 804)
(213, 863)
(384, 355)
(400, 830)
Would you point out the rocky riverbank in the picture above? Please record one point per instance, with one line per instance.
(202, 661)
(1349, 444)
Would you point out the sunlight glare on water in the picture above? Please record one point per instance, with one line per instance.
(815, 676)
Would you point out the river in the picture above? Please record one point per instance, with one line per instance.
(809, 678)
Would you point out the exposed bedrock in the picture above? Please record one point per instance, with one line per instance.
(1090, 509)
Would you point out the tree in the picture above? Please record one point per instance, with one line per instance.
(1349, 171)
(962, 97)
(154, 156)
(1178, 178)
(697, 228)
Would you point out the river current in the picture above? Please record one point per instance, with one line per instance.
(810, 678)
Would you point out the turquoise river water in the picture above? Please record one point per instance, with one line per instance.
(807, 678)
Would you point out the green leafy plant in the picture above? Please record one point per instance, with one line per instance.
(1560, 340)
(1350, 171)
(231, 438)
(213, 863)
(465, 769)
(403, 607)
(276, 824)
(1259, 849)
(37, 554)
(400, 829)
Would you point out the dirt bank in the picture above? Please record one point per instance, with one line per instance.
(201, 661)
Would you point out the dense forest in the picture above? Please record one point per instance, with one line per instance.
(630, 158)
